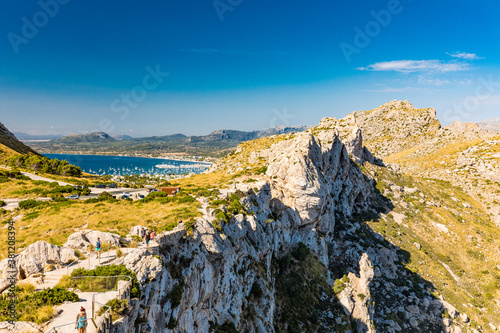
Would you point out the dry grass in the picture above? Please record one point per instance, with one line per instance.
(204, 180)
(6, 152)
(56, 221)
(11, 188)
(475, 261)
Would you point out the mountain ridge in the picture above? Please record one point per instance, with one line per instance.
(214, 143)
(491, 124)
(10, 145)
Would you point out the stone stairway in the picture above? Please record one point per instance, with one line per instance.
(67, 316)
(51, 279)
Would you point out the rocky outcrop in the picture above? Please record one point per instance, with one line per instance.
(82, 239)
(39, 257)
(311, 197)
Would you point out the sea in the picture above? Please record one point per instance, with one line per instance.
(126, 165)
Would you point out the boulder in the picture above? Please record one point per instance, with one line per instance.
(77, 241)
(39, 256)
(136, 230)
(106, 237)
(452, 311)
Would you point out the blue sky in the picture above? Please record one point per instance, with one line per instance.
(69, 66)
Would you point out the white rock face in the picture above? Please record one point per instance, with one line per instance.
(145, 266)
(136, 230)
(82, 239)
(41, 256)
(106, 237)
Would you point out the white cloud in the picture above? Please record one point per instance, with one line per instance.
(409, 66)
(465, 55)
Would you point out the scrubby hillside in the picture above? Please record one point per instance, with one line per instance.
(413, 140)
(10, 145)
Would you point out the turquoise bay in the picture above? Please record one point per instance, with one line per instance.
(126, 165)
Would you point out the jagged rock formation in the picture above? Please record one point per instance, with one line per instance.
(311, 198)
(412, 139)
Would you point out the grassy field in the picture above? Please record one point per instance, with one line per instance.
(55, 221)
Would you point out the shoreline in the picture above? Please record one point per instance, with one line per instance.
(150, 157)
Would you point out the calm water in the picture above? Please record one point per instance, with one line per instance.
(124, 165)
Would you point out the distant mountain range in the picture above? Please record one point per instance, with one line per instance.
(214, 144)
(492, 125)
(28, 137)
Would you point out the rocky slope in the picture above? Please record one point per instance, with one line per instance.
(307, 239)
(9, 144)
(414, 140)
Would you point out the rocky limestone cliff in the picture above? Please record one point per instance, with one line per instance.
(305, 215)
(413, 139)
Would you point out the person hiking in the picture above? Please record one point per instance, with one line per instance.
(147, 238)
(98, 248)
(152, 235)
(143, 234)
(81, 321)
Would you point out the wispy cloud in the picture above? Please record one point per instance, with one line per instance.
(428, 80)
(410, 66)
(465, 55)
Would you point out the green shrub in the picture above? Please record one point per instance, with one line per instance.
(256, 291)
(2, 203)
(190, 225)
(227, 327)
(175, 295)
(35, 306)
(112, 270)
(44, 164)
(118, 307)
(28, 204)
(301, 252)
